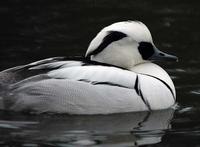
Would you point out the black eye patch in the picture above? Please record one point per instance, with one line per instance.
(108, 39)
(146, 50)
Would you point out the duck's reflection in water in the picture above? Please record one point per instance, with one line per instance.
(119, 129)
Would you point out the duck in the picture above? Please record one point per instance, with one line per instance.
(116, 75)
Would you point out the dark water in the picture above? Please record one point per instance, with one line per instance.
(32, 30)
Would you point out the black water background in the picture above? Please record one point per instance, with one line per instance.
(31, 30)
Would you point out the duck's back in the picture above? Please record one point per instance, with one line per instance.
(88, 89)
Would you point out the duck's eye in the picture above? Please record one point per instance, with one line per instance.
(146, 50)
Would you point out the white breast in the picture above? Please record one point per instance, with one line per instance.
(154, 70)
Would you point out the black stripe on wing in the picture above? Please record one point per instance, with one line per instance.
(164, 84)
(136, 87)
(104, 83)
(111, 84)
(84, 62)
(139, 92)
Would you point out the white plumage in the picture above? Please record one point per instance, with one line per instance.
(115, 77)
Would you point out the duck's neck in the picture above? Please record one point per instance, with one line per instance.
(149, 68)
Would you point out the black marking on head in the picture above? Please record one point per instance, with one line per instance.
(146, 50)
(139, 92)
(112, 36)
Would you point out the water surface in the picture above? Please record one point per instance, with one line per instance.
(31, 30)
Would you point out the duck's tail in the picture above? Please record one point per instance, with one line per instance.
(3, 89)
(2, 107)
(7, 77)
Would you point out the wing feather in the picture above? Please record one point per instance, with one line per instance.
(96, 74)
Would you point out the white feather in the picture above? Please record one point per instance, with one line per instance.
(68, 96)
(77, 88)
(96, 74)
(155, 71)
(57, 64)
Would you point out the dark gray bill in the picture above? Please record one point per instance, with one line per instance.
(161, 56)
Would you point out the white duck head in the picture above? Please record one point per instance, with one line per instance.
(125, 44)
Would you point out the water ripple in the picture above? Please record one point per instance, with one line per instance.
(197, 92)
(15, 124)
